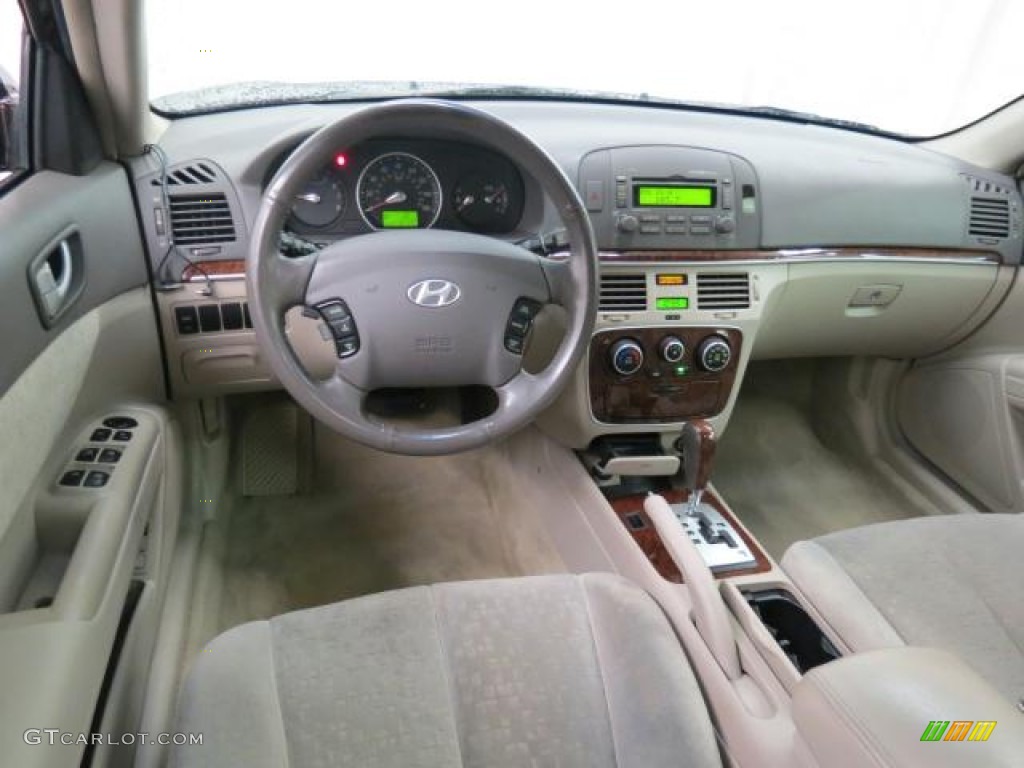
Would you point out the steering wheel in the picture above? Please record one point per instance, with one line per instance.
(422, 308)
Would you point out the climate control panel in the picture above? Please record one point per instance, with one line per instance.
(652, 375)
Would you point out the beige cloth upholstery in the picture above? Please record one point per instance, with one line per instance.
(544, 671)
(952, 582)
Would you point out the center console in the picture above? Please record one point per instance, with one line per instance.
(662, 374)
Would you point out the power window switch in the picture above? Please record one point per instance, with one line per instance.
(100, 435)
(72, 478)
(87, 454)
(122, 436)
(96, 479)
(109, 456)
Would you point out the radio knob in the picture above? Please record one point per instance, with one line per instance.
(627, 223)
(672, 349)
(627, 357)
(725, 225)
(714, 354)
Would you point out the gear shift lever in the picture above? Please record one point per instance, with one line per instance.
(697, 444)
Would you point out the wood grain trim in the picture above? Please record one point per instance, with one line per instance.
(650, 542)
(213, 269)
(808, 254)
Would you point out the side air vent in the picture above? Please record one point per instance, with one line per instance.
(196, 173)
(728, 290)
(623, 293)
(201, 219)
(990, 217)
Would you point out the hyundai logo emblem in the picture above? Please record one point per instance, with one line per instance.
(434, 293)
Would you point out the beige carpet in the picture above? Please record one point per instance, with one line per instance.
(372, 522)
(785, 484)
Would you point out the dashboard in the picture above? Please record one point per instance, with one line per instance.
(723, 239)
(408, 184)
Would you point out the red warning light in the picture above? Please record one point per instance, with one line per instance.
(340, 161)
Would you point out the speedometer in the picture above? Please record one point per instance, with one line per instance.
(399, 191)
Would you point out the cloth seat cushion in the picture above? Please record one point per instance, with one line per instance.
(558, 670)
(954, 582)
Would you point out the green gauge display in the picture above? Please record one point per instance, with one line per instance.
(399, 219)
(666, 303)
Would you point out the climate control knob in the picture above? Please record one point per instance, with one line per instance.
(627, 223)
(714, 354)
(627, 357)
(672, 349)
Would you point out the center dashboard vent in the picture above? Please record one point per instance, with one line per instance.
(726, 290)
(201, 219)
(623, 292)
(990, 217)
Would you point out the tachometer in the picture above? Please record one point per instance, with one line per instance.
(399, 191)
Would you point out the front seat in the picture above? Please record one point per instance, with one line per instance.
(558, 670)
(954, 582)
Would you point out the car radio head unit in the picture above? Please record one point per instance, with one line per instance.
(670, 198)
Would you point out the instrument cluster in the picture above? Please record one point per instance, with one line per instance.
(410, 184)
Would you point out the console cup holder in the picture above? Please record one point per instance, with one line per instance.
(799, 637)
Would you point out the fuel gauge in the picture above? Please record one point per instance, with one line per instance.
(482, 203)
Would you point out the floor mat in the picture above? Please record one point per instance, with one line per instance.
(373, 522)
(786, 485)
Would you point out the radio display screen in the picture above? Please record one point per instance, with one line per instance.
(673, 196)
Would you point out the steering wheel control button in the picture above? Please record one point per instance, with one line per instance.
(122, 436)
(714, 354)
(627, 357)
(672, 349)
(72, 478)
(87, 455)
(120, 422)
(342, 326)
(109, 456)
(333, 310)
(187, 320)
(520, 321)
(347, 347)
(100, 435)
(515, 344)
(96, 479)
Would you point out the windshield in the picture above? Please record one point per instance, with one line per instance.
(913, 67)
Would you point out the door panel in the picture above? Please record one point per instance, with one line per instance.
(33, 218)
(71, 556)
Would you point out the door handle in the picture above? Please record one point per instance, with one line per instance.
(54, 277)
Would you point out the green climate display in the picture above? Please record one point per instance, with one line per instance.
(673, 196)
(399, 219)
(672, 302)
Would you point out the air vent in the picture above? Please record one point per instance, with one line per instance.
(197, 173)
(990, 217)
(623, 293)
(728, 290)
(201, 219)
